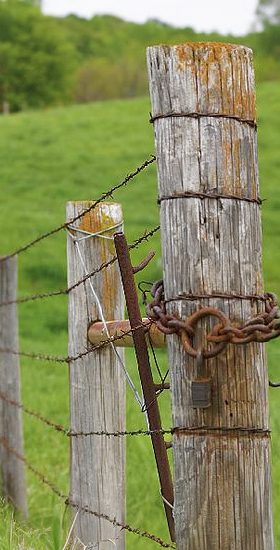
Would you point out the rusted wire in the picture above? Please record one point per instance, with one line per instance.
(146, 235)
(199, 195)
(72, 359)
(65, 225)
(35, 414)
(40, 356)
(196, 115)
(69, 502)
(125, 433)
(223, 295)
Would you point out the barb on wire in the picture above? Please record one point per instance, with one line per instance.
(39, 356)
(144, 237)
(69, 502)
(240, 430)
(35, 414)
(74, 358)
(72, 433)
(65, 225)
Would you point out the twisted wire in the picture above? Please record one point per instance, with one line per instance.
(144, 237)
(65, 225)
(74, 358)
(69, 502)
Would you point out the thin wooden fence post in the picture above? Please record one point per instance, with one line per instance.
(12, 472)
(203, 110)
(97, 383)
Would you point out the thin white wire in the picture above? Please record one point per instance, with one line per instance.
(99, 306)
(70, 531)
(100, 234)
(167, 502)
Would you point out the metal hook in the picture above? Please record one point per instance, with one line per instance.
(144, 262)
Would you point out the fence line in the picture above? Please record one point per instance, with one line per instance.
(9, 445)
(65, 225)
(69, 502)
(145, 237)
(71, 433)
(73, 359)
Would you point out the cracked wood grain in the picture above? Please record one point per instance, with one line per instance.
(222, 484)
(12, 471)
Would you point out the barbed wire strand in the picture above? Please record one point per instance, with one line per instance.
(69, 502)
(71, 433)
(65, 225)
(73, 359)
(134, 433)
(144, 237)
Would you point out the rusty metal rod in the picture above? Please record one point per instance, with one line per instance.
(97, 333)
(163, 386)
(146, 378)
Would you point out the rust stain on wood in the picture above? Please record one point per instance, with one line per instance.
(206, 58)
(98, 219)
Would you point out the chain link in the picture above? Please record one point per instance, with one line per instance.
(261, 328)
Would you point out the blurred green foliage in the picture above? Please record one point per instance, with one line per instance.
(47, 60)
(268, 12)
(36, 58)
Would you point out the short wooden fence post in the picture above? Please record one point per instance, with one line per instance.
(203, 109)
(12, 472)
(97, 384)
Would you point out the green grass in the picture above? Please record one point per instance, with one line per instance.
(76, 153)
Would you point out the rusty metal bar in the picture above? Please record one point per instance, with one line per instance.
(146, 378)
(163, 386)
(97, 333)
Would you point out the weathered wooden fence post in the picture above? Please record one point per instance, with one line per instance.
(97, 386)
(203, 109)
(12, 473)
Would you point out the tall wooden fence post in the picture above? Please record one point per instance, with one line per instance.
(97, 386)
(203, 109)
(12, 472)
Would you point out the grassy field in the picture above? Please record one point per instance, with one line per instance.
(48, 158)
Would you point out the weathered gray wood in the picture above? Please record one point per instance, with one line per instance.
(97, 386)
(222, 481)
(12, 472)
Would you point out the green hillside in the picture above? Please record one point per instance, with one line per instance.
(75, 153)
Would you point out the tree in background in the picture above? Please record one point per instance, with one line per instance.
(268, 47)
(36, 59)
(101, 78)
(35, 3)
(268, 12)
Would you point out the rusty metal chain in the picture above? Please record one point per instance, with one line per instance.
(261, 328)
(69, 502)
